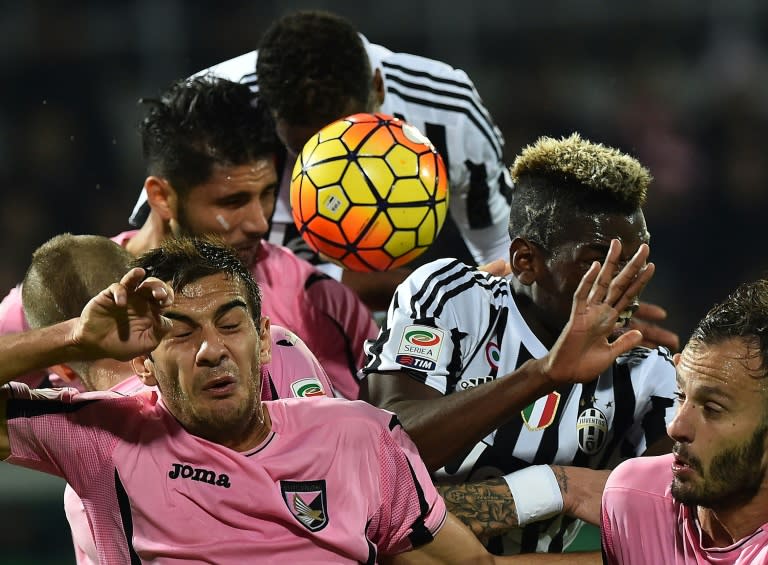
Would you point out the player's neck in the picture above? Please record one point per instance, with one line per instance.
(149, 236)
(256, 432)
(725, 526)
(533, 317)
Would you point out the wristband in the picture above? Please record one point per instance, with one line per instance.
(536, 493)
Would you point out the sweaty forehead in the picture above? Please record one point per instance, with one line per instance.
(208, 291)
(727, 364)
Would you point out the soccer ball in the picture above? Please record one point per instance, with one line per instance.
(369, 192)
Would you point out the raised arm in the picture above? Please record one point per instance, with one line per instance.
(443, 427)
(121, 322)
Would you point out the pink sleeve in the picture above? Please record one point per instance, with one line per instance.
(58, 431)
(82, 539)
(12, 321)
(354, 320)
(294, 370)
(12, 318)
(412, 511)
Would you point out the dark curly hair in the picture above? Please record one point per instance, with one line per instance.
(200, 122)
(744, 314)
(554, 178)
(183, 260)
(310, 66)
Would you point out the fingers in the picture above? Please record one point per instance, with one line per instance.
(620, 285)
(600, 288)
(119, 291)
(625, 342)
(650, 312)
(583, 290)
(153, 288)
(654, 336)
(497, 268)
(637, 285)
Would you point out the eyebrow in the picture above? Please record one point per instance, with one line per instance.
(706, 390)
(220, 311)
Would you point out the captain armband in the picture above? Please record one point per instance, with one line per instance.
(536, 492)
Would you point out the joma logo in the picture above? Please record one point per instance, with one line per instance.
(203, 475)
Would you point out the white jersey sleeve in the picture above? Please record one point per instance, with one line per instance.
(434, 325)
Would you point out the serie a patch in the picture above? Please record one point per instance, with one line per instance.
(420, 347)
(307, 387)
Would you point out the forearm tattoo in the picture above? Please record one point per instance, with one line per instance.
(562, 478)
(487, 507)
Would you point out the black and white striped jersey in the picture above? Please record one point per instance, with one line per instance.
(444, 104)
(454, 328)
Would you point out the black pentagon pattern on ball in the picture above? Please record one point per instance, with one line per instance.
(367, 229)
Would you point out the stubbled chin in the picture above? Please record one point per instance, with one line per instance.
(247, 256)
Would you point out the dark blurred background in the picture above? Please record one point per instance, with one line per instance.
(681, 84)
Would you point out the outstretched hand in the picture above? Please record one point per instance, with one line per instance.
(583, 350)
(124, 320)
(654, 335)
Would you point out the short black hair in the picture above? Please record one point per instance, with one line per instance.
(555, 178)
(310, 65)
(200, 122)
(183, 260)
(743, 314)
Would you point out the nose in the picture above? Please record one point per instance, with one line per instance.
(212, 350)
(255, 223)
(681, 428)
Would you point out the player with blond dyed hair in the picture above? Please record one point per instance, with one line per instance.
(473, 364)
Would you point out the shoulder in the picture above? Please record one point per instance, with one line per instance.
(237, 69)
(406, 64)
(337, 415)
(452, 279)
(12, 318)
(642, 362)
(650, 476)
(98, 409)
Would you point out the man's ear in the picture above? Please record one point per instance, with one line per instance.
(378, 88)
(265, 341)
(162, 197)
(65, 372)
(526, 260)
(144, 368)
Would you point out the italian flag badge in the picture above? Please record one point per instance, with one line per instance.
(541, 413)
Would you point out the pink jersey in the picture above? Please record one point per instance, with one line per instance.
(292, 372)
(642, 523)
(327, 315)
(334, 482)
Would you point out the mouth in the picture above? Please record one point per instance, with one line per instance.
(247, 250)
(681, 465)
(220, 386)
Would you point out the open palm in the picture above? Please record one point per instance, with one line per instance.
(583, 350)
